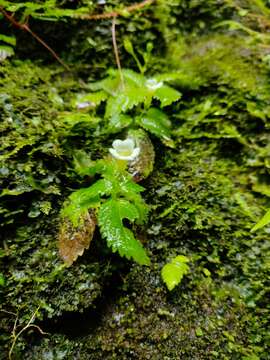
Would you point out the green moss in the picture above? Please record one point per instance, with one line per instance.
(205, 196)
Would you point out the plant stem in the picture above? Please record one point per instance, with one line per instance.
(116, 54)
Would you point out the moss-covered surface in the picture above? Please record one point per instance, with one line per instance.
(204, 195)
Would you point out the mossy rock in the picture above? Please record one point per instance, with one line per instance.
(205, 195)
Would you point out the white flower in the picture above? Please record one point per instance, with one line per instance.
(124, 150)
(153, 84)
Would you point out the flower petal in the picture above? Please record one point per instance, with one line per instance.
(114, 153)
(116, 143)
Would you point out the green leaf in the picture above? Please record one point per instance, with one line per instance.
(109, 84)
(154, 122)
(91, 99)
(159, 116)
(129, 48)
(167, 95)
(82, 162)
(119, 121)
(11, 40)
(130, 190)
(124, 101)
(85, 166)
(263, 222)
(83, 196)
(74, 118)
(81, 200)
(2, 280)
(119, 238)
(97, 167)
(133, 78)
(173, 272)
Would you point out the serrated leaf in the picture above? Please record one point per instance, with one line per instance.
(99, 188)
(81, 200)
(130, 190)
(265, 220)
(133, 78)
(109, 84)
(152, 123)
(119, 121)
(124, 101)
(119, 238)
(131, 186)
(173, 272)
(167, 95)
(72, 241)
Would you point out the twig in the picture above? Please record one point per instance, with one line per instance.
(109, 15)
(27, 326)
(47, 47)
(114, 14)
(26, 28)
(116, 54)
(8, 312)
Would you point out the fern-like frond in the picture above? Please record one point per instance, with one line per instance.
(173, 272)
(119, 238)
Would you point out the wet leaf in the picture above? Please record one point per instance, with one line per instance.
(74, 240)
(173, 272)
(119, 238)
(142, 166)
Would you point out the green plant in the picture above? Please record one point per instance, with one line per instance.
(145, 55)
(173, 272)
(129, 103)
(114, 198)
(265, 220)
(19, 13)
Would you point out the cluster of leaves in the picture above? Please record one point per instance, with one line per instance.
(45, 10)
(128, 91)
(128, 97)
(115, 197)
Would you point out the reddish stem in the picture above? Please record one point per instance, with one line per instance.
(26, 28)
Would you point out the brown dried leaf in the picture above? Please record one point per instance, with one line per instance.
(72, 241)
(142, 166)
